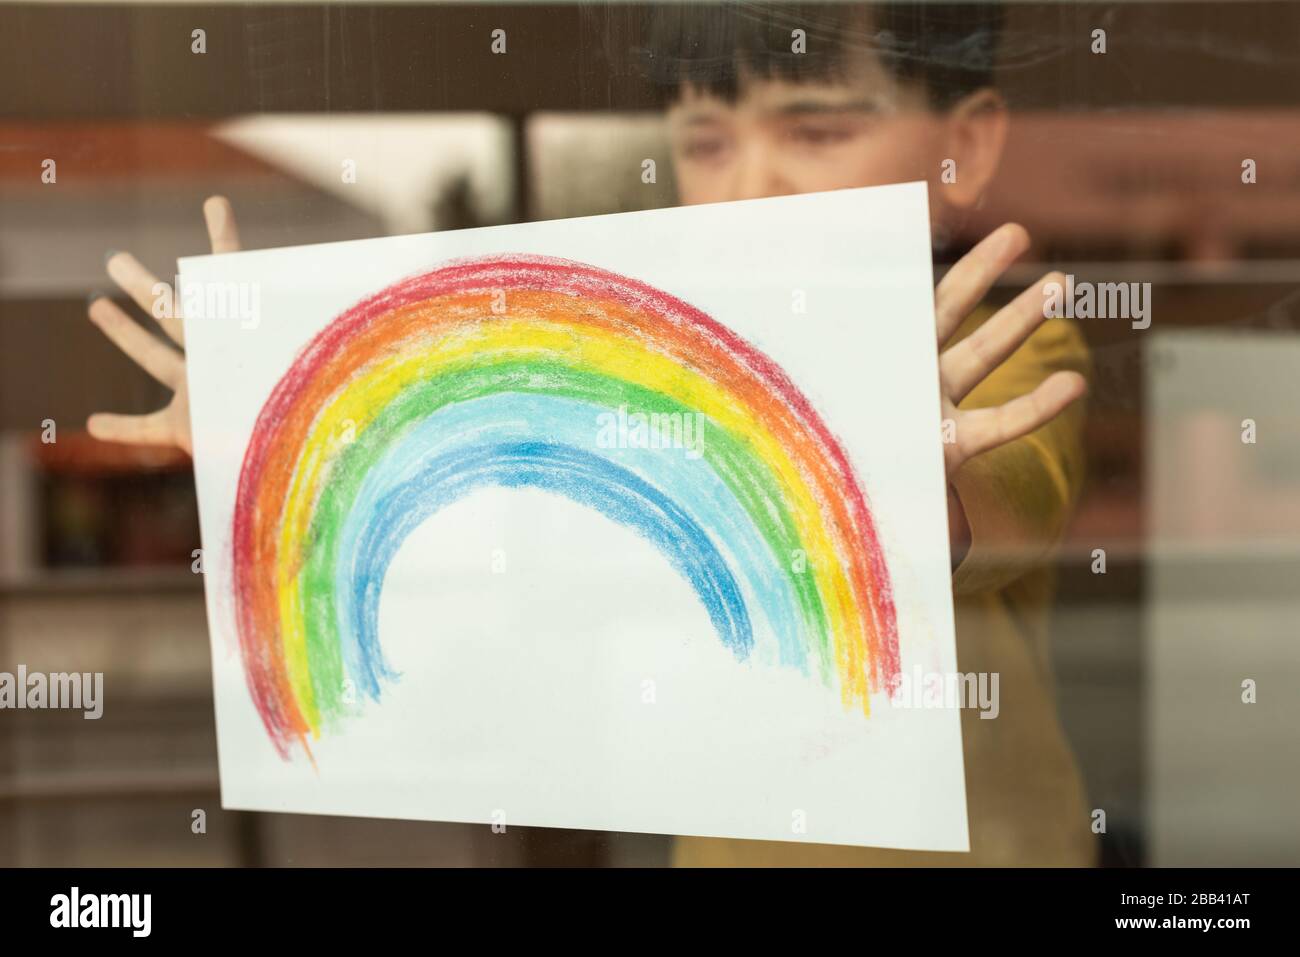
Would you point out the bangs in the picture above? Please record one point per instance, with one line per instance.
(715, 47)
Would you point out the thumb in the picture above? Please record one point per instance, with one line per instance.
(220, 217)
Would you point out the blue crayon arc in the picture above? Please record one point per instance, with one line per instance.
(578, 475)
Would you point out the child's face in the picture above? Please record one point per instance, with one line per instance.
(782, 137)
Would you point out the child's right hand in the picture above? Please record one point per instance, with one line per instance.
(170, 425)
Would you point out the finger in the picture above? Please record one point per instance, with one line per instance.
(220, 217)
(965, 365)
(151, 429)
(967, 282)
(147, 351)
(979, 430)
(149, 292)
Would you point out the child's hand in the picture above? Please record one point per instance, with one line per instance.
(170, 425)
(970, 361)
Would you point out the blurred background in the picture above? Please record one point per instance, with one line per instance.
(1126, 167)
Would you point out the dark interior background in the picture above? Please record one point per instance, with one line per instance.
(1125, 165)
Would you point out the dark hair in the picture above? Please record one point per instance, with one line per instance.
(947, 47)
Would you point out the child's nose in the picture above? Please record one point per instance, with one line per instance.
(756, 177)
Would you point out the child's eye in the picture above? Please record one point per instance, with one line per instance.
(703, 149)
(809, 135)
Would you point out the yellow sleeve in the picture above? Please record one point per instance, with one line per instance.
(1018, 497)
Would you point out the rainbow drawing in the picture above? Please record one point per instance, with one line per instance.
(496, 371)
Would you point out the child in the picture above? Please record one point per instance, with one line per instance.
(877, 95)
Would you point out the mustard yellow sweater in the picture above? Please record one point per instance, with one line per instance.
(1024, 795)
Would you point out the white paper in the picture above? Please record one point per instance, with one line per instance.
(552, 666)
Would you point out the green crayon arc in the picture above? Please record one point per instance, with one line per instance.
(749, 478)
